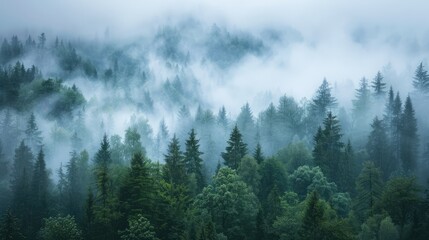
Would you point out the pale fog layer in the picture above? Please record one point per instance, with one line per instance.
(303, 43)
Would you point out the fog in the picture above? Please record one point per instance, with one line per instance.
(302, 42)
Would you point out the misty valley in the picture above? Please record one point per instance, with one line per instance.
(166, 135)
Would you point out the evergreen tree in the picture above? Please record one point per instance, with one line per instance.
(20, 184)
(319, 106)
(289, 116)
(378, 148)
(174, 168)
(33, 134)
(268, 125)
(9, 228)
(313, 219)
(105, 203)
(378, 85)
(246, 125)
(328, 147)
(421, 79)
(132, 143)
(369, 190)
(235, 150)
(136, 194)
(409, 139)
(73, 187)
(362, 105)
(193, 161)
(257, 154)
(39, 191)
(222, 119)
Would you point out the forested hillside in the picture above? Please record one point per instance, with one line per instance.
(137, 139)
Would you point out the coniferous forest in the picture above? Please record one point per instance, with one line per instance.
(147, 138)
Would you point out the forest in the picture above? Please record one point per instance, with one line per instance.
(107, 140)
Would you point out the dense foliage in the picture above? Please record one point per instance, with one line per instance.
(296, 170)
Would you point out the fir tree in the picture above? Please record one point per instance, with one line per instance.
(409, 139)
(362, 103)
(174, 168)
(9, 228)
(378, 85)
(257, 154)
(193, 161)
(313, 219)
(378, 148)
(421, 79)
(235, 150)
(321, 103)
(33, 134)
(39, 191)
(369, 190)
(328, 147)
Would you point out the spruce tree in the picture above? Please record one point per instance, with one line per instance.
(174, 168)
(33, 134)
(235, 150)
(137, 191)
(39, 192)
(258, 155)
(313, 219)
(246, 124)
(193, 161)
(421, 79)
(369, 190)
(328, 147)
(378, 85)
(362, 104)
(9, 228)
(319, 106)
(409, 139)
(378, 148)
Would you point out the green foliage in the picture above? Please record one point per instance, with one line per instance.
(235, 150)
(193, 161)
(327, 152)
(60, 228)
(321, 103)
(174, 169)
(230, 203)
(249, 173)
(409, 139)
(295, 155)
(307, 179)
(139, 228)
(9, 228)
(388, 230)
(378, 147)
(369, 190)
(400, 199)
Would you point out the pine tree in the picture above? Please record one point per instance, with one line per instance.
(321, 103)
(246, 124)
(268, 127)
(378, 148)
(257, 154)
(421, 79)
(222, 119)
(362, 104)
(378, 85)
(369, 190)
(137, 192)
(39, 191)
(33, 134)
(409, 139)
(73, 186)
(174, 168)
(193, 161)
(132, 143)
(102, 162)
(9, 228)
(313, 219)
(235, 150)
(346, 169)
(328, 147)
